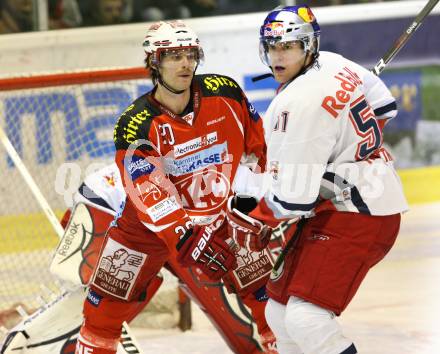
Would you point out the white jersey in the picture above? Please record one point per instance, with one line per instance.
(324, 137)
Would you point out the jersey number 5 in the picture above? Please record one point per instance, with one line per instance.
(365, 124)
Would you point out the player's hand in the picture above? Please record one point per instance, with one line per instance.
(211, 254)
(246, 231)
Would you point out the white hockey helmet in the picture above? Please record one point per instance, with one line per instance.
(169, 35)
(290, 23)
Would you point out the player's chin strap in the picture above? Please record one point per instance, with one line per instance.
(168, 87)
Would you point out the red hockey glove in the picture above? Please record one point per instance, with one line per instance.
(248, 232)
(201, 248)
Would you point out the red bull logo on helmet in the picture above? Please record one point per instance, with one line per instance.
(274, 29)
(306, 14)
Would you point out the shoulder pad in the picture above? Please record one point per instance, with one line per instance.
(219, 85)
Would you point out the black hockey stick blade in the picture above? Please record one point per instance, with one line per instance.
(262, 77)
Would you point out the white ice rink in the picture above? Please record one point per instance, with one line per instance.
(396, 310)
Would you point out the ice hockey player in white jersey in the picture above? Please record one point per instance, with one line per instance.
(328, 169)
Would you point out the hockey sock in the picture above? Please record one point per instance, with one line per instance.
(90, 343)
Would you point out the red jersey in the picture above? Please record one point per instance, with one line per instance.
(179, 168)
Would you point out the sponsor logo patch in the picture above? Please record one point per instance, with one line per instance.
(215, 155)
(215, 121)
(130, 130)
(215, 83)
(254, 114)
(189, 118)
(163, 208)
(204, 191)
(274, 29)
(110, 180)
(195, 144)
(118, 269)
(252, 266)
(94, 298)
(138, 167)
(274, 169)
(260, 294)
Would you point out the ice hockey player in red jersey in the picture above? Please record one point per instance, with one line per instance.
(327, 168)
(178, 148)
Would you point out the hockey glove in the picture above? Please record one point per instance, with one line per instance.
(246, 231)
(211, 254)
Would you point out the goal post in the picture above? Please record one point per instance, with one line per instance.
(61, 127)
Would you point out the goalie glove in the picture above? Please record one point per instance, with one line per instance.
(246, 231)
(199, 247)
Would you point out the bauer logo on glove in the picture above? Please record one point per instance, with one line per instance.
(201, 244)
(211, 254)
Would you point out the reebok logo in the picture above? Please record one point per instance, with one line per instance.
(319, 237)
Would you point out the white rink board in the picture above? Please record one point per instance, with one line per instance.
(230, 42)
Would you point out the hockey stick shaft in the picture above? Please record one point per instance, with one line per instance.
(31, 183)
(290, 244)
(401, 41)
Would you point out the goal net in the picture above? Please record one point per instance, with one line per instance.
(61, 125)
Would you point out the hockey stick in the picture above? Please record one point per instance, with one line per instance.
(31, 183)
(401, 41)
(129, 339)
(290, 244)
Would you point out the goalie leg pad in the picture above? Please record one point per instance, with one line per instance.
(77, 252)
(51, 328)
